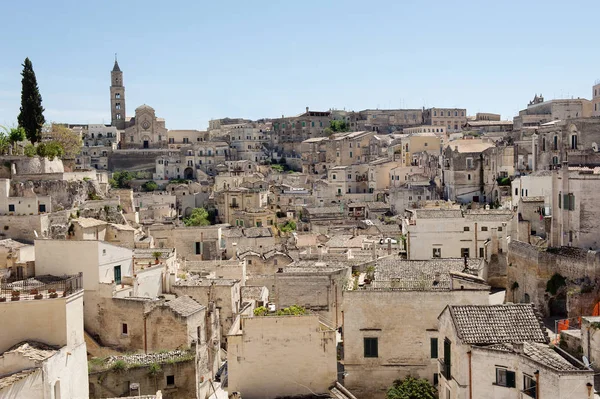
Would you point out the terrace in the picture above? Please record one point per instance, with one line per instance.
(40, 287)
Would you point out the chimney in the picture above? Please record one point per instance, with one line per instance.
(518, 347)
(306, 109)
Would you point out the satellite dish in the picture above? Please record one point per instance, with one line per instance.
(586, 362)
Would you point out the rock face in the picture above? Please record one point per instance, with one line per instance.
(110, 214)
(65, 194)
(37, 165)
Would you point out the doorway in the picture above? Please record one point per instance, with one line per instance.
(145, 143)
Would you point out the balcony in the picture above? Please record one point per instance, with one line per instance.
(40, 287)
(234, 205)
(445, 369)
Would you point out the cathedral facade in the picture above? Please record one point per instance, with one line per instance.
(144, 130)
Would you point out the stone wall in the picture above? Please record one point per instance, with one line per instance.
(64, 194)
(531, 268)
(113, 383)
(24, 227)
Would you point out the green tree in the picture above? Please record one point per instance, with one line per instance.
(69, 140)
(150, 186)
(288, 227)
(50, 150)
(121, 179)
(4, 143)
(411, 388)
(338, 126)
(31, 117)
(16, 135)
(199, 217)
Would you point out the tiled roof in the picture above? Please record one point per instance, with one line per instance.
(325, 210)
(496, 324)
(252, 293)
(10, 243)
(540, 353)
(33, 350)
(256, 232)
(184, 306)
(426, 275)
(346, 241)
(89, 222)
(11, 379)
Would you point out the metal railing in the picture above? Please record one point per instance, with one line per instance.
(40, 287)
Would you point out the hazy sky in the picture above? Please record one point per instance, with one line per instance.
(197, 60)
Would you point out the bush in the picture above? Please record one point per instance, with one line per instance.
(30, 150)
(411, 388)
(199, 217)
(154, 369)
(119, 365)
(261, 311)
(121, 179)
(288, 227)
(293, 310)
(150, 186)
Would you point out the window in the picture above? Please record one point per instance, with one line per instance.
(42, 208)
(11, 207)
(446, 364)
(117, 95)
(543, 144)
(464, 252)
(434, 347)
(124, 329)
(505, 378)
(574, 142)
(349, 177)
(466, 228)
(469, 163)
(499, 228)
(170, 380)
(118, 116)
(529, 386)
(555, 143)
(436, 379)
(455, 113)
(481, 252)
(484, 228)
(350, 154)
(333, 177)
(198, 248)
(371, 347)
(469, 176)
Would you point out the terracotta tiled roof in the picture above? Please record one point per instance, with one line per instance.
(184, 306)
(496, 324)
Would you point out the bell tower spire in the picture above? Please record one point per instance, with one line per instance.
(117, 97)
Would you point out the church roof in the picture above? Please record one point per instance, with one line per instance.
(144, 106)
(116, 67)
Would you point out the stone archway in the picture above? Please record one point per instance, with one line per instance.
(188, 173)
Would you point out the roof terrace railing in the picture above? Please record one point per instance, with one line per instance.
(40, 287)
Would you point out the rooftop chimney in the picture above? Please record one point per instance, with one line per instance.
(306, 109)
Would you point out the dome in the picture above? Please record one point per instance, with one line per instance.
(144, 107)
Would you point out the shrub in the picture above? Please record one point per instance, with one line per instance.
(154, 369)
(119, 366)
(261, 311)
(288, 227)
(150, 186)
(411, 388)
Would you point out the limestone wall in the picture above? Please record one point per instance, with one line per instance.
(64, 194)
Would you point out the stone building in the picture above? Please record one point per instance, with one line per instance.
(250, 144)
(462, 170)
(182, 138)
(575, 210)
(349, 148)
(16, 259)
(144, 130)
(289, 132)
(299, 350)
(502, 351)
(42, 349)
(245, 207)
(452, 119)
(539, 111)
(386, 121)
(453, 233)
(390, 326)
(224, 294)
(191, 243)
(30, 204)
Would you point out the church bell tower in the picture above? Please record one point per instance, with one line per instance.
(117, 97)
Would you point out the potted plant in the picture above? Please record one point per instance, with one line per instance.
(38, 296)
(51, 290)
(156, 255)
(53, 295)
(15, 293)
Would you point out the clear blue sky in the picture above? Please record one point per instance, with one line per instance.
(197, 60)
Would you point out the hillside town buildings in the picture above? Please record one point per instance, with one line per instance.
(326, 254)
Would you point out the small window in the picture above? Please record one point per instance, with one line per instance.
(484, 228)
(437, 252)
(466, 228)
(469, 176)
(505, 378)
(249, 261)
(11, 207)
(436, 379)
(464, 252)
(371, 347)
(170, 380)
(124, 329)
(499, 228)
(434, 348)
(529, 386)
(481, 252)
(198, 248)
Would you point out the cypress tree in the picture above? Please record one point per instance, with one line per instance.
(31, 117)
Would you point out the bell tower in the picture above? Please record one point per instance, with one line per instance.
(117, 97)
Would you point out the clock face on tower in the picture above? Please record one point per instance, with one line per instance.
(146, 125)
